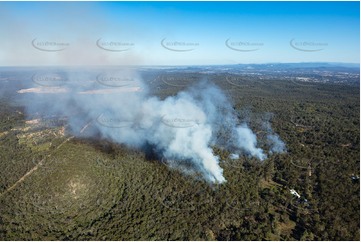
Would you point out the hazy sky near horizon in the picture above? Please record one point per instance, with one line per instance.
(177, 33)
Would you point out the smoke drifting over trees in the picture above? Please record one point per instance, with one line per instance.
(181, 127)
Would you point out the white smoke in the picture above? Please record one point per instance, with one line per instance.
(234, 156)
(276, 144)
(273, 140)
(181, 127)
(247, 141)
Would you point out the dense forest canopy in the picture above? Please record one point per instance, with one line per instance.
(94, 189)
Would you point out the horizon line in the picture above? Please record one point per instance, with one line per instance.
(189, 65)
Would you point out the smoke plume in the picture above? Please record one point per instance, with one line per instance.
(117, 106)
(273, 140)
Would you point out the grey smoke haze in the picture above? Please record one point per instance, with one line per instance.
(181, 127)
(247, 141)
(273, 140)
(276, 144)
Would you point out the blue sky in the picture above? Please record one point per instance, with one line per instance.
(193, 33)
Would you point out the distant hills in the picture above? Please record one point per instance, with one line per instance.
(239, 66)
(301, 65)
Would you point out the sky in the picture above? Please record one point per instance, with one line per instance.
(177, 33)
